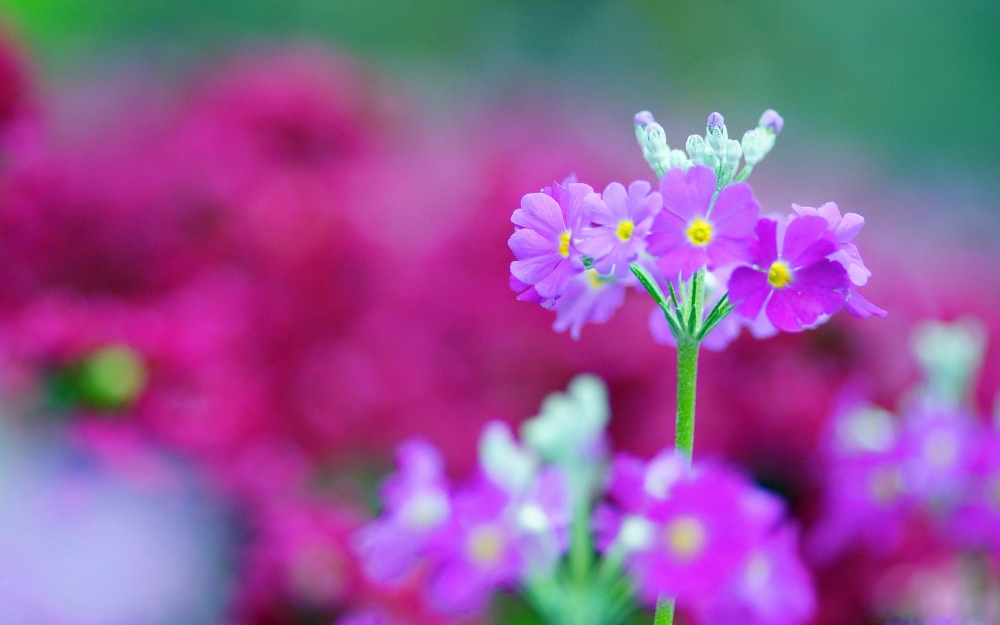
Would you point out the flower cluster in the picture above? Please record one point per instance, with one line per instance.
(700, 234)
(934, 468)
(532, 517)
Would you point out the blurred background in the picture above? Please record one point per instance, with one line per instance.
(246, 248)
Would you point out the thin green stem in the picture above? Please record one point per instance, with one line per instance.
(687, 381)
(664, 612)
(581, 551)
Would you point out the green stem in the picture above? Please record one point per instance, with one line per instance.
(581, 551)
(664, 612)
(687, 380)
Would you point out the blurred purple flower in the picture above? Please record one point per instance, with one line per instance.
(418, 506)
(588, 297)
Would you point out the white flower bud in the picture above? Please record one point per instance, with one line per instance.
(656, 150)
(751, 147)
(696, 149)
(678, 159)
(733, 153)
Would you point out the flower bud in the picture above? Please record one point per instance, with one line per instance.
(751, 147)
(641, 120)
(678, 159)
(696, 149)
(656, 151)
(733, 153)
(717, 135)
(771, 121)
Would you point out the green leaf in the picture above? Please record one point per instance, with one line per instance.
(692, 321)
(650, 284)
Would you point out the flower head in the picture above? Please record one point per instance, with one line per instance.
(771, 121)
(621, 220)
(418, 505)
(588, 297)
(544, 240)
(792, 279)
(693, 231)
(476, 553)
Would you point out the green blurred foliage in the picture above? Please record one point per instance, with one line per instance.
(914, 83)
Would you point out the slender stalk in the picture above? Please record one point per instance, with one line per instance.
(581, 551)
(687, 381)
(664, 612)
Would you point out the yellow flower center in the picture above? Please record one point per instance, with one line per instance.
(594, 279)
(779, 274)
(564, 244)
(699, 232)
(685, 537)
(625, 229)
(484, 545)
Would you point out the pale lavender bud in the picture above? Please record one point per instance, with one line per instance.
(643, 119)
(717, 136)
(771, 121)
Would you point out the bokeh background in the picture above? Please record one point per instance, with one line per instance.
(248, 247)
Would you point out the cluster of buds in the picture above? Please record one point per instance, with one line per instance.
(715, 150)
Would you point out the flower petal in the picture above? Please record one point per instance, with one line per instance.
(801, 234)
(735, 211)
(687, 194)
(748, 289)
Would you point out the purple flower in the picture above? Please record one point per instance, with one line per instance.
(622, 220)
(417, 506)
(686, 529)
(544, 239)
(589, 297)
(693, 231)
(866, 495)
(792, 279)
(975, 523)
(772, 587)
(476, 553)
(940, 448)
(845, 228)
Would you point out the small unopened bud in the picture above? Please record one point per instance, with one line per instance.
(640, 121)
(656, 150)
(678, 159)
(643, 118)
(696, 149)
(751, 147)
(771, 121)
(733, 153)
(717, 135)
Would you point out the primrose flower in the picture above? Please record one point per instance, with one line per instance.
(687, 530)
(975, 523)
(476, 553)
(418, 506)
(772, 587)
(693, 231)
(622, 220)
(588, 297)
(939, 446)
(544, 241)
(791, 278)
(866, 495)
